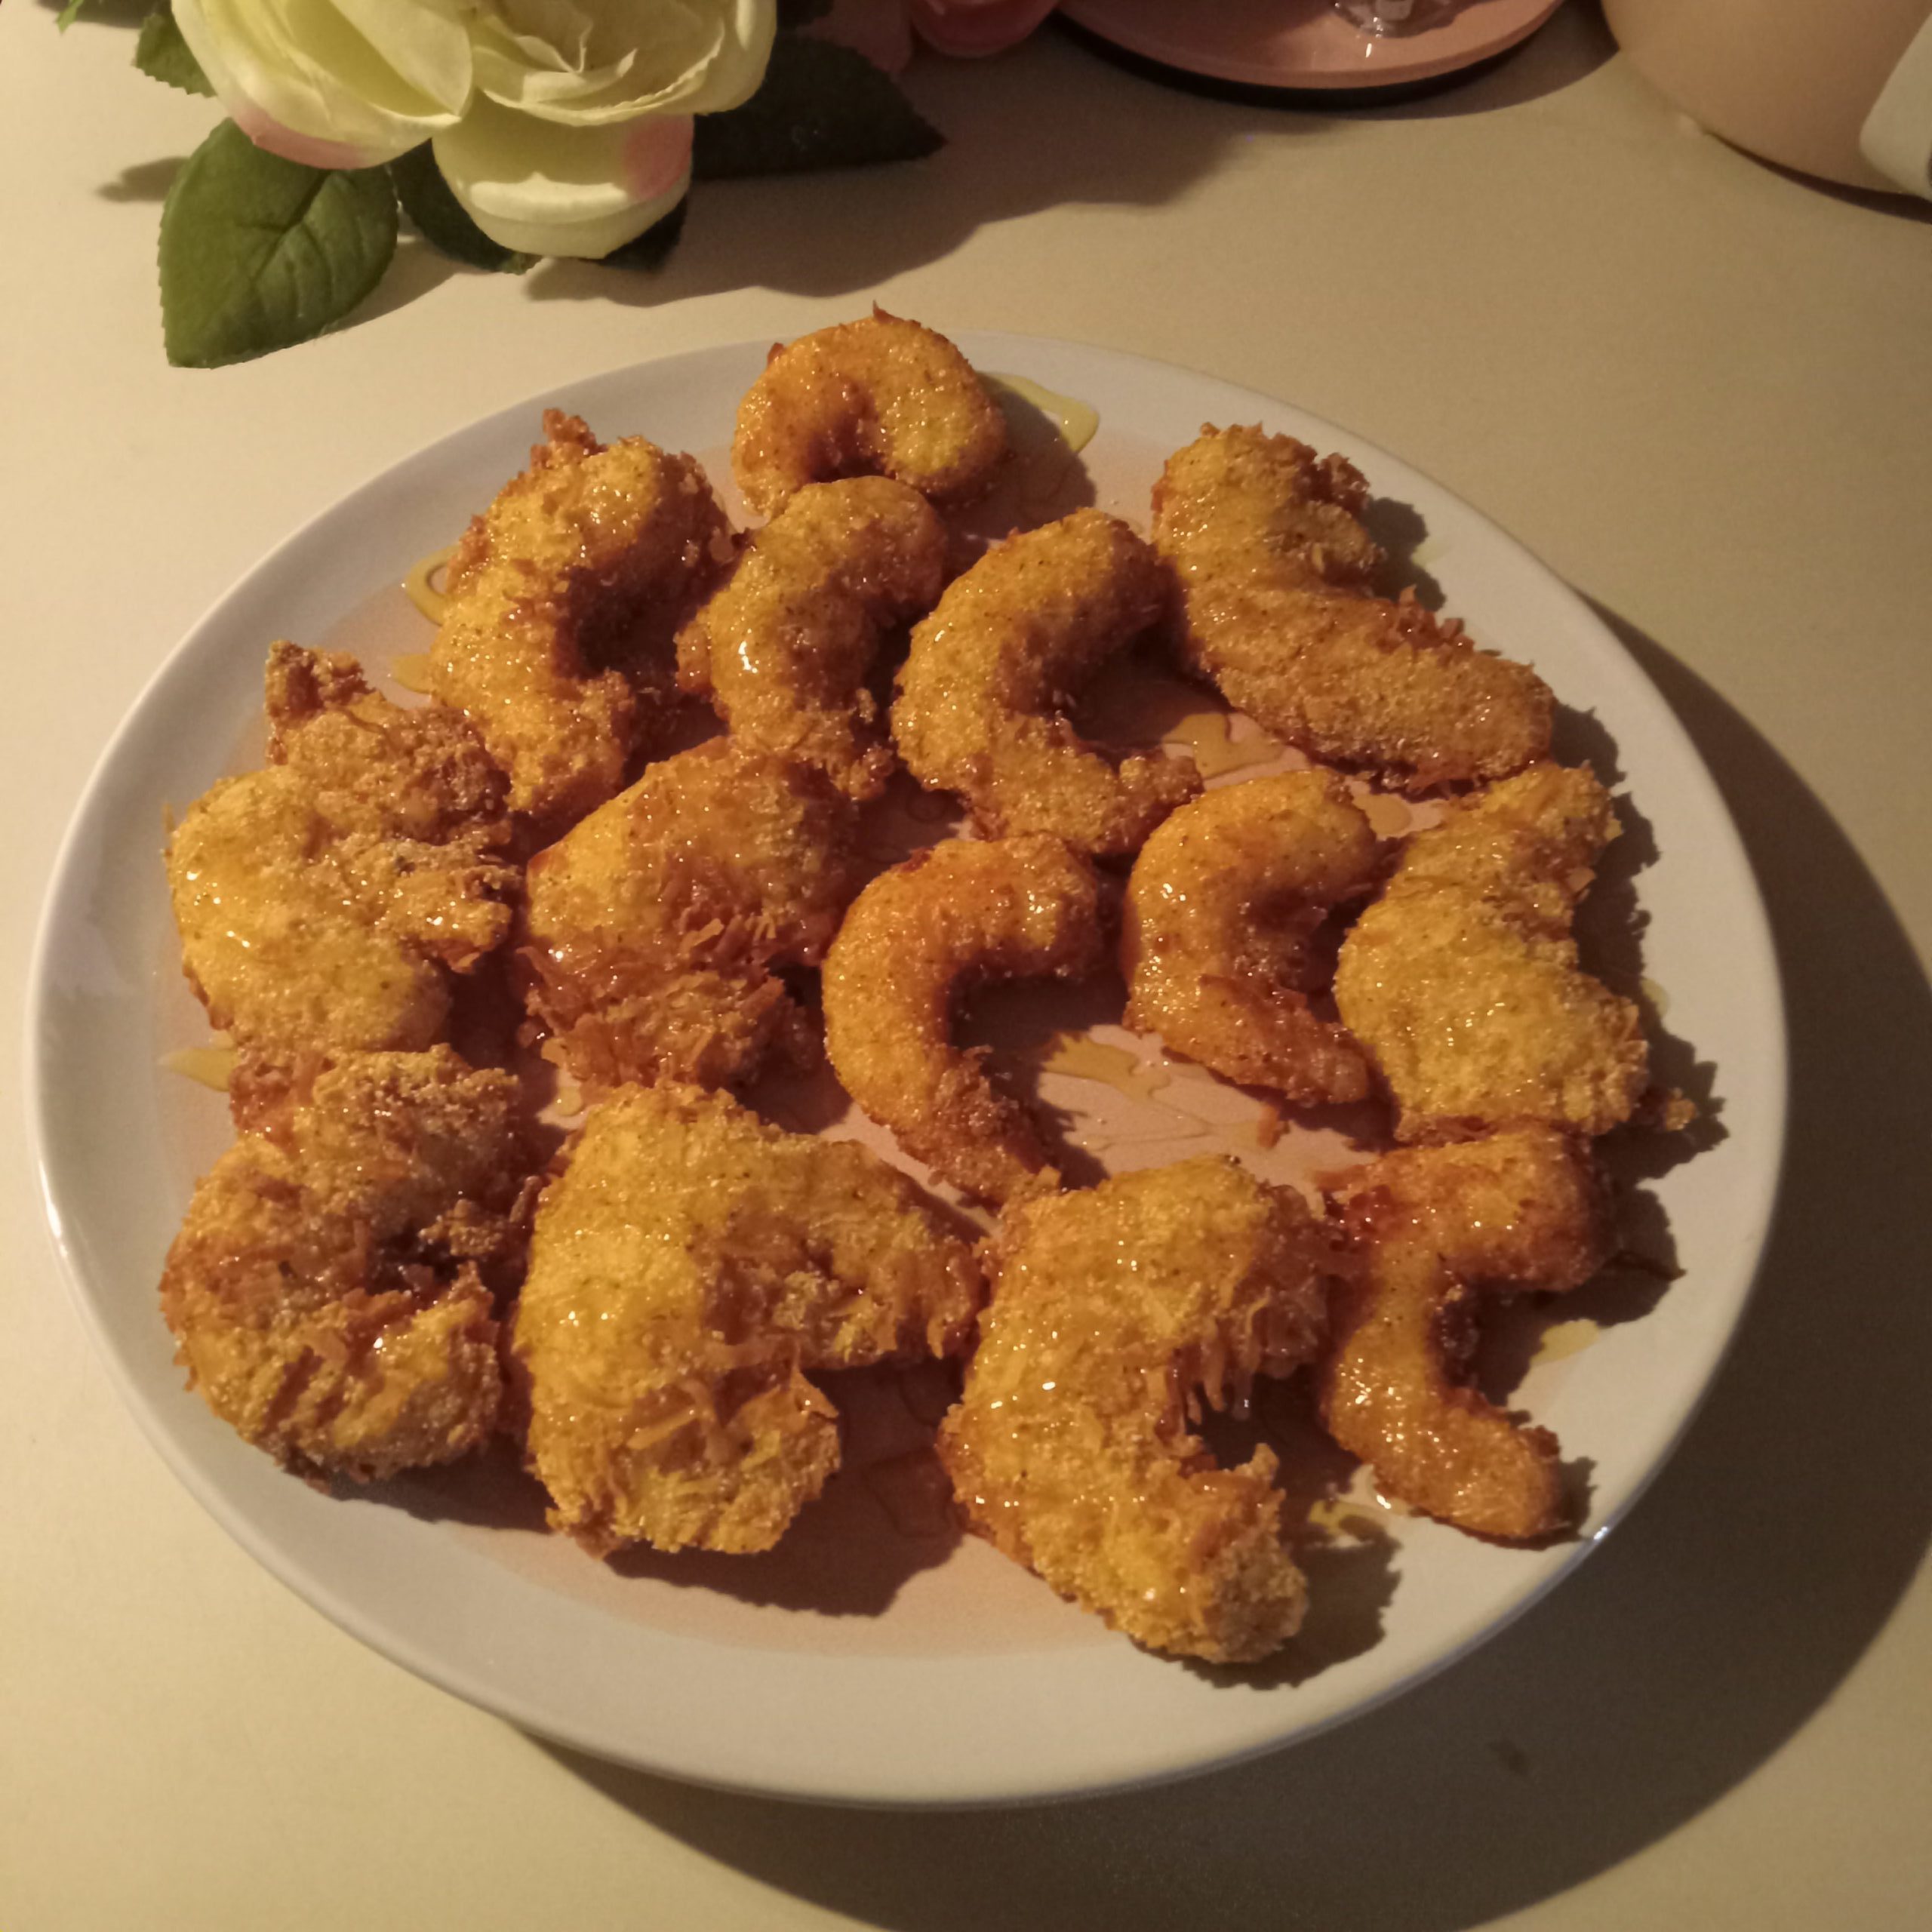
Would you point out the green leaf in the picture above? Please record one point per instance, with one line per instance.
(652, 249)
(442, 220)
(69, 15)
(257, 253)
(163, 55)
(820, 106)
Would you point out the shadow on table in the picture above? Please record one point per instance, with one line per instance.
(1044, 126)
(1707, 1630)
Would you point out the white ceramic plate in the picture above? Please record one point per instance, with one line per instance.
(860, 1661)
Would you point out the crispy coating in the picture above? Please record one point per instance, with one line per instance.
(1113, 1310)
(1214, 943)
(1438, 1227)
(323, 902)
(691, 1267)
(983, 693)
(330, 1287)
(564, 597)
(878, 397)
(1462, 980)
(916, 939)
(783, 649)
(653, 931)
(1275, 567)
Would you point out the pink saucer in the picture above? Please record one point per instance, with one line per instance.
(1305, 43)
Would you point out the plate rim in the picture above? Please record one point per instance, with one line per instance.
(1132, 1769)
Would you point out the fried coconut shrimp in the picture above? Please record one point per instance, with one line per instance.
(324, 903)
(691, 1267)
(653, 932)
(1275, 567)
(1462, 980)
(1220, 908)
(564, 597)
(981, 709)
(878, 397)
(916, 940)
(783, 651)
(1114, 1310)
(1437, 1228)
(330, 1287)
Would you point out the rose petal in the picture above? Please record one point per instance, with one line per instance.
(544, 189)
(974, 27)
(294, 74)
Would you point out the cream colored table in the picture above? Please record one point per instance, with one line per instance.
(1699, 389)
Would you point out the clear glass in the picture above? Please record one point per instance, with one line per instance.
(1381, 16)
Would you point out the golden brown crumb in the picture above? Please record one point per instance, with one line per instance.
(916, 941)
(1071, 1447)
(1463, 982)
(1275, 567)
(1438, 1227)
(329, 1287)
(982, 696)
(692, 1267)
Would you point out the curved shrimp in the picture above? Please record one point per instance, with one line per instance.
(1437, 1227)
(654, 931)
(783, 650)
(1462, 982)
(1113, 1309)
(328, 1288)
(1275, 567)
(878, 396)
(1220, 906)
(564, 597)
(691, 1268)
(915, 939)
(983, 692)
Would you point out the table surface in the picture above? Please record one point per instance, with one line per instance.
(1698, 387)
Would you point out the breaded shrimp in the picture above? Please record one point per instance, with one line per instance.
(916, 939)
(330, 1288)
(324, 903)
(880, 396)
(1275, 567)
(783, 651)
(653, 931)
(983, 693)
(691, 1267)
(564, 597)
(1114, 1310)
(1220, 907)
(1462, 980)
(1437, 1227)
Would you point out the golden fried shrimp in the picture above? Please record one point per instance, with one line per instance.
(916, 941)
(1275, 567)
(323, 903)
(691, 1267)
(1114, 1310)
(564, 597)
(981, 710)
(783, 649)
(878, 397)
(330, 1288)
(1436, 1227)
(1462, 982)
(653, 932)
(1220, 908)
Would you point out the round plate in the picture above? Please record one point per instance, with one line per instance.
(868, 1658)
(1306, 43)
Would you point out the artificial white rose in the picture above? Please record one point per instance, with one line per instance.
(538, 108)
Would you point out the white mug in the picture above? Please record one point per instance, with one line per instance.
(1840, 88)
